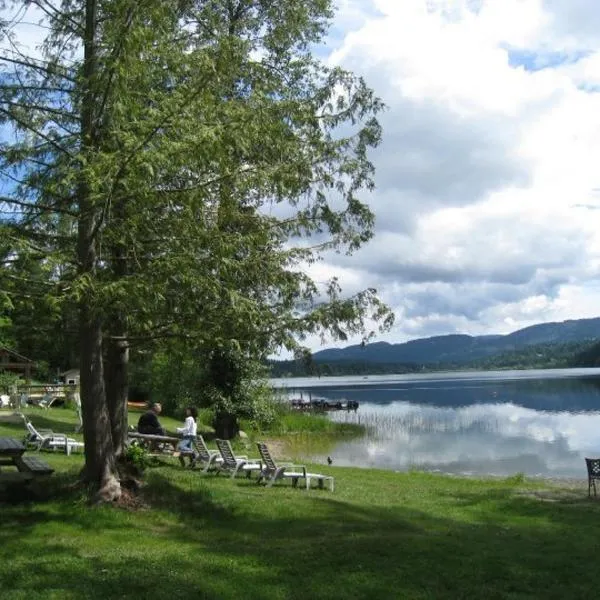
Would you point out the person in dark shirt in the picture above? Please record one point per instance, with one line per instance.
(149, 423)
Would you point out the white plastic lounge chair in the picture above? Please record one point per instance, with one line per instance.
(271, 472)
(45, 439)
(212, 458)
(209, 458)
(235, 464)
(47, 400)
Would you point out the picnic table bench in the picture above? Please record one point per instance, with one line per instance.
(27, 467)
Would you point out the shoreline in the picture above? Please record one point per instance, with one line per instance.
(563, 481)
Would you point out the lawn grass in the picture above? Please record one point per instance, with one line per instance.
(380, 535)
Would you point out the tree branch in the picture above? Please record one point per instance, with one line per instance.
(29, 127)
(54, 13)
(48, 70)
(36, 206)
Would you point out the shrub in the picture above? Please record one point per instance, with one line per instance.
(137, 456)
(7, 380)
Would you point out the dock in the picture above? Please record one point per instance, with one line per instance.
(323, 404)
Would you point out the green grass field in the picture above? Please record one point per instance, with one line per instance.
(380, 535)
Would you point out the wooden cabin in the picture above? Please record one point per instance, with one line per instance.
(15, 363)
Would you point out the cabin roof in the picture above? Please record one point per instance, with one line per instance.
(68, 371)
(23, 359)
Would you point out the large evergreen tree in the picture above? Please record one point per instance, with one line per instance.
(175, 165)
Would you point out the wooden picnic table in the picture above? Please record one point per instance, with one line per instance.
(27, 467)
(9, 447)
(152, 441)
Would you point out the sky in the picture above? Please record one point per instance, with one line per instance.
(488, 178)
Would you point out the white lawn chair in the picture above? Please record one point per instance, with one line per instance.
(47, 400)
(211, 458)
(45, 439)
(271, 472)
(235, 464)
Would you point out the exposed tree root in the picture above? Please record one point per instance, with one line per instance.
(109, 490)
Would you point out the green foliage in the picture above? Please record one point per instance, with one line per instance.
(8, 380)
(283, 420)
(138, 457)
(182, 228)
(289, 421)
(235, 384)
(557, 355)
(205, 419)
(6, 334)
(173, 379)
(516, 479)
(587, 356)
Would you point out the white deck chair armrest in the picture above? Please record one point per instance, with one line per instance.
(294, 467)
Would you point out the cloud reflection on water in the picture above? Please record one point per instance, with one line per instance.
(497, 439)
(536, 422)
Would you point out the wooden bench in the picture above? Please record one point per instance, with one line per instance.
(35, 465)
(28, 468)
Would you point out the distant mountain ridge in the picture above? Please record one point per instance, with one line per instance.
(462, 348)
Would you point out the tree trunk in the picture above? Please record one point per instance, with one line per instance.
(226, 425)
(117, 391)
(100, 468)
(117, 352)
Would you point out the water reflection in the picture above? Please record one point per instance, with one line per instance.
(498, 439)
(538, 427)
(569, 394)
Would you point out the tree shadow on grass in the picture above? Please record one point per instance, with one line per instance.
(216, 538)
(391, 552)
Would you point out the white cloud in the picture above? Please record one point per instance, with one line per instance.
(488, 174)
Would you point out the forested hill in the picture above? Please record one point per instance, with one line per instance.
(538, 346)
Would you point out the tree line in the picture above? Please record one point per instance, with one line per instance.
(555, 355)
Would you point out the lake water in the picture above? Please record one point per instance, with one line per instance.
(540, 423)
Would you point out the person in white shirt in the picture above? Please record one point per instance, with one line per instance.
(188, 432)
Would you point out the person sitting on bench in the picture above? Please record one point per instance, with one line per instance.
(149, 423)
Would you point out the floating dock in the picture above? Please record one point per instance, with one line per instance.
(322, 404)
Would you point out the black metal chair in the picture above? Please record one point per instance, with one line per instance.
(593, 469)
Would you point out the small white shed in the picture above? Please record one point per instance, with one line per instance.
(71, 376)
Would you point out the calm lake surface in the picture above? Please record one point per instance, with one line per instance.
(541, 423)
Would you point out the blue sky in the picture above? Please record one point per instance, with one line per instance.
(536, 60)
